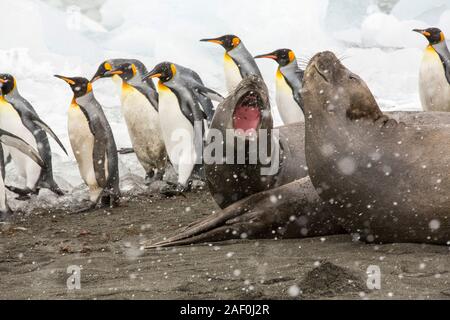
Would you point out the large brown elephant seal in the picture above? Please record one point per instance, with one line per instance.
(386, 181)
(287, 205)
(234, 180)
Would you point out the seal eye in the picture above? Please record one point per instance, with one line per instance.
(352, 77)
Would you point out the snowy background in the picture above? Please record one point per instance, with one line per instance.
(68, 37)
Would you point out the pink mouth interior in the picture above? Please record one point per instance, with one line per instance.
(247, 114)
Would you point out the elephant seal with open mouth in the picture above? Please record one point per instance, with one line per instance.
(288, 205)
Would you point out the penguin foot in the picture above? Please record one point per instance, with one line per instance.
(90, 206)
(6, 215)
(109, 201)
(173, 190)
(125, 151)
(23, 198)
(153, 176)
(57, 191)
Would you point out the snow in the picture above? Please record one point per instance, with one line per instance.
(39, 40)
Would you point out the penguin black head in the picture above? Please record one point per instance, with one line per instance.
(7, 83)
(102, 71)
(126, 71)
(433, 35)
(229, 41)
(165, 71)
(282, 56)
(79, 85)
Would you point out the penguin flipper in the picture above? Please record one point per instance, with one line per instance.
(16, 142)
(19, 191)
(150, 94)
(47, 129)
(209, 93)
(298, 98)
(99, 158)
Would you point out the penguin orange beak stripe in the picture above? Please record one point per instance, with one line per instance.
(213, 41)
(268, 56)
(425, 33)
(68, 80)
(114, 72)
(3, 81)
(156, 75)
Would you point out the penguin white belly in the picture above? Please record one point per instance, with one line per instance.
(232, 74)
(178, 134)
(433, 85)
(288, 108)
(144, 129)
(82, 142)
(117, 80)
(10, 121)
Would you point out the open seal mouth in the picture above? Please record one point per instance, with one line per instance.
(247, 113)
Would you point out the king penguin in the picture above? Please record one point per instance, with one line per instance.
(288, 81)
(19, 117)
(139, 101)
(111, 64)
(93, 144)
(13, 142)
(238, 62)
(434, 76)
(182, 114)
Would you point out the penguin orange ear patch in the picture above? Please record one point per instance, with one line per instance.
(442, 36)
(107, 66)
(291, 56)
(174, 69)
(236, 41)
(133, 68)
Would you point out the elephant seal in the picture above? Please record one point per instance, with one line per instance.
(288, 205)
(385, 180)
(248, 108)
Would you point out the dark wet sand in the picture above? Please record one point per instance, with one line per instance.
(36, 250)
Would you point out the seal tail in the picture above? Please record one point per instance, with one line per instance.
(202, 229)
(222, 233)
(298, 208)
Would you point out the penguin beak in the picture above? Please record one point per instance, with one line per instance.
(215, 40)
(152, 74)
(112, 73)
(425, 33)
(95, 78)
(268, 56)
(66, 79)
(98, 75)
(2, 82)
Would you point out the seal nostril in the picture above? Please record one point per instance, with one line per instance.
(321, 73)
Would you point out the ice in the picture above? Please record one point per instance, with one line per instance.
(427, 11)
(40, 40)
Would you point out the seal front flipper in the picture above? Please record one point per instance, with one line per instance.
(298, 212)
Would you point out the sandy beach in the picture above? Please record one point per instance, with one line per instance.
(37, 249)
